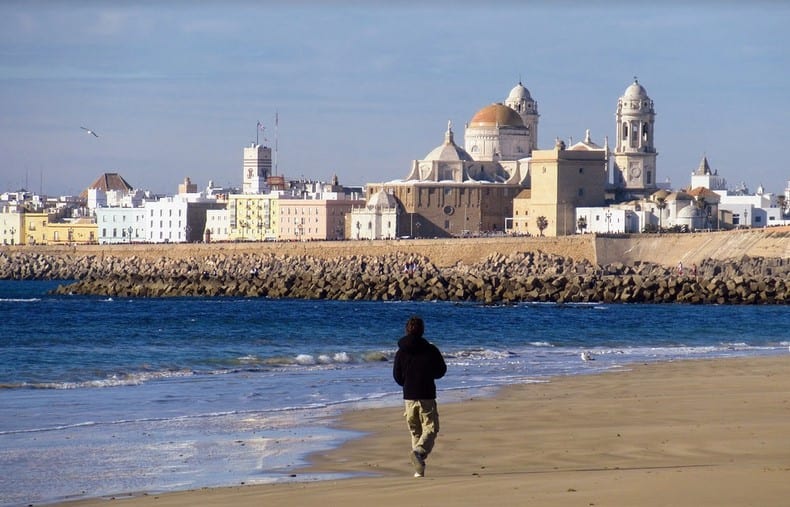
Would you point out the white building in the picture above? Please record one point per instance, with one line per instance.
(10, 225)
(257, 168)
(120, 225)
(178, 219)
(377, 220)
(705, 177)
(607, 220)
(217, 225)
(758, 210)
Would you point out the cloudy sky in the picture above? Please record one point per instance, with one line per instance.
(176, 88)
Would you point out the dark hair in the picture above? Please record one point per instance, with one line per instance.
(415, 326)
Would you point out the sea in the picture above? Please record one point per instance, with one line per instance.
(111, 397)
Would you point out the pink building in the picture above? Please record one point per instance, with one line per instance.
(314, 219)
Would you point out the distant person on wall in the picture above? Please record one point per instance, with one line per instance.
(418, 363)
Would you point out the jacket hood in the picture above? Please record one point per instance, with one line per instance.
(411, 342)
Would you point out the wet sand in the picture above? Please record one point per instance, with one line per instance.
(686, 433)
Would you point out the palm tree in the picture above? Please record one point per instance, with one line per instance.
(701, 206)
(542, 224)
(661, 204)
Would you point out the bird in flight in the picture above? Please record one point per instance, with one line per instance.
(89, 131)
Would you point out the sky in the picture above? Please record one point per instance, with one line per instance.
(359, 89)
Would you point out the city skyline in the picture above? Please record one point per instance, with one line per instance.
(160, 92)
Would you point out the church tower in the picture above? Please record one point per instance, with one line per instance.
(521, 101)
(634, 153)
(257, 167)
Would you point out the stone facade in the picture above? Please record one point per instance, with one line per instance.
(562, 180)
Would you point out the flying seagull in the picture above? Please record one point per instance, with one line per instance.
(89, 131)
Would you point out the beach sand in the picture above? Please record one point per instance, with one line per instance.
(686, 433)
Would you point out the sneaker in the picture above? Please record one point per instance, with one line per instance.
(418, 461)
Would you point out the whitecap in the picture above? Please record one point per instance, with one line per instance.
(305, 359)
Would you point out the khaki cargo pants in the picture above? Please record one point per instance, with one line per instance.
(422, 417)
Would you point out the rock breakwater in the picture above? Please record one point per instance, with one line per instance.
(499, 279)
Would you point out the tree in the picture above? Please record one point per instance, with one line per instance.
(661, 204)
(702, 209)
(781, 201)
(542, 224)
(581, 224)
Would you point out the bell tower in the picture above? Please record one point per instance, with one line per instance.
(634, 153)
(257, 168)
(520, 100)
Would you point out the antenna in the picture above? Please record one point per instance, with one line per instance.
(276, 138)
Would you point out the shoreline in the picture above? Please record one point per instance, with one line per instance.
(688, 432)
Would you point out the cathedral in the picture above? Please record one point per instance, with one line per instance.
(500, 181)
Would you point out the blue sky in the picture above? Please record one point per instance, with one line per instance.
(175, 89)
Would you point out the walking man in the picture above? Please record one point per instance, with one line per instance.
(418, 363)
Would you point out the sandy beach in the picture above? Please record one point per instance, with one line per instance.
(686, 433)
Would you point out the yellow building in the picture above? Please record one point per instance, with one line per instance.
(252, 217)
(34, 227)
(562, 180)
(81, 232)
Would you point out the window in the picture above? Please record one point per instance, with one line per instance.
(581, 192)
(581, 170)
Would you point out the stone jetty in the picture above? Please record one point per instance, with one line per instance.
(530, 276)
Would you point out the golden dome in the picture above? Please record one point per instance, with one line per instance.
(496, 114)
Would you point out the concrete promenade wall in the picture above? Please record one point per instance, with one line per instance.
(664, 249)
(694, 248)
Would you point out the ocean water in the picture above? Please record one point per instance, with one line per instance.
(108, 397)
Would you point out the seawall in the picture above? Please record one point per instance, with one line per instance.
(664, 249)
(722, 268)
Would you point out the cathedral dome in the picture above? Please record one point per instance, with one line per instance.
(382, 200)
(448, 151)
(496, 115)
(519, 93)
(635, 91)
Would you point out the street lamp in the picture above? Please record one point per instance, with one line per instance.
(130, 234)
(608, 221)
